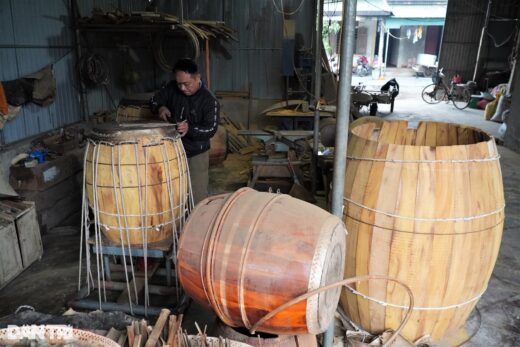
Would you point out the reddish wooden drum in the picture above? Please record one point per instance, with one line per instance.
(249, 252)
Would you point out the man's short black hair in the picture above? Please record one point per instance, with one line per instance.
(186, 65)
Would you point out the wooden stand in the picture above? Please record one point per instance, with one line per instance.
(114, 274)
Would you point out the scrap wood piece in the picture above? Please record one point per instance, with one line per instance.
(113, 334)
(137, 341)
(158, 327)
(130, 334)
(122, 338)
(284, 104)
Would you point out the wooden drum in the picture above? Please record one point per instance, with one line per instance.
(249, 252)
(423, 203)
(137, 182)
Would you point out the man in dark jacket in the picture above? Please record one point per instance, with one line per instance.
(187, 102)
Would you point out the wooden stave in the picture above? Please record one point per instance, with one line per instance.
(158, 225)
(294, 321)
(355, 184)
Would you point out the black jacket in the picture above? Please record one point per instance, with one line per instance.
(201, 110)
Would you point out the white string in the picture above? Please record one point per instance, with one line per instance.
(167, 170)
(439, 161)
(121, 201)
(144, 233)
(126, 224)
(418, 308)
(452, 219)
(83, 221)
(280, 10)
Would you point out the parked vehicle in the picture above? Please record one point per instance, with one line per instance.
(371, 98)
(458, 93)
(362, 67)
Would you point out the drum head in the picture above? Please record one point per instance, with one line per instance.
(132, 131)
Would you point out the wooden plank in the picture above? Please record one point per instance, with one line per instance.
(442, 134)
(372, 193)
(400, 257)
(113, 334)
(420, 138)
(420, 249)
(441, 242)
(10, 257)
(29, 237)
(431, 134)
(382, 232)
(158, 328)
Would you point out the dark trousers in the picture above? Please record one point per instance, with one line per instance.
(199, 165)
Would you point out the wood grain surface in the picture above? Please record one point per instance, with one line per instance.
(249, 252)
(423, 205)
(141, 187)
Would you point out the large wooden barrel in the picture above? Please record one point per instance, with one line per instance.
(136, 180)
(424, 204)
(249, 252)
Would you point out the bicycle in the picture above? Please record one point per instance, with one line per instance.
(459, 94)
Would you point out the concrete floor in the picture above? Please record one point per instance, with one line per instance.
(48, 284)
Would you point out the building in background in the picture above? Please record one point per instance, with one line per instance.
(397, 30)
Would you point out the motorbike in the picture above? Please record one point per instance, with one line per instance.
(362, 67)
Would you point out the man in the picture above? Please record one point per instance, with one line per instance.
(187, 102)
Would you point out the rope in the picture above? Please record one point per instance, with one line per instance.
(440, 161)
(83, 220)
(393, 229)
(453, 219)
(158, 49)
(438, 308)
(144, 233)
(94, 70)
(23, 307)
(118, 202)
(344, 282)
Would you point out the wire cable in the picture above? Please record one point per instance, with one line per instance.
(280, 10)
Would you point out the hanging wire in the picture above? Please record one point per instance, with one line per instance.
(280, 10)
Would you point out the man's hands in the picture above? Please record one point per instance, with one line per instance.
(164, 113)
(182, 128)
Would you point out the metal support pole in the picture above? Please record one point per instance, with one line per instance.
(381, 44)
(516, 50)
(74, 9)
(317, 89)
(482, 34)
(342, 120)
(386, 47)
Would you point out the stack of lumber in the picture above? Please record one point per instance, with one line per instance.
(238, 143)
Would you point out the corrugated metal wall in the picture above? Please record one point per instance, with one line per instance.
(35, 34)
(462, 30)
(256, 58)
